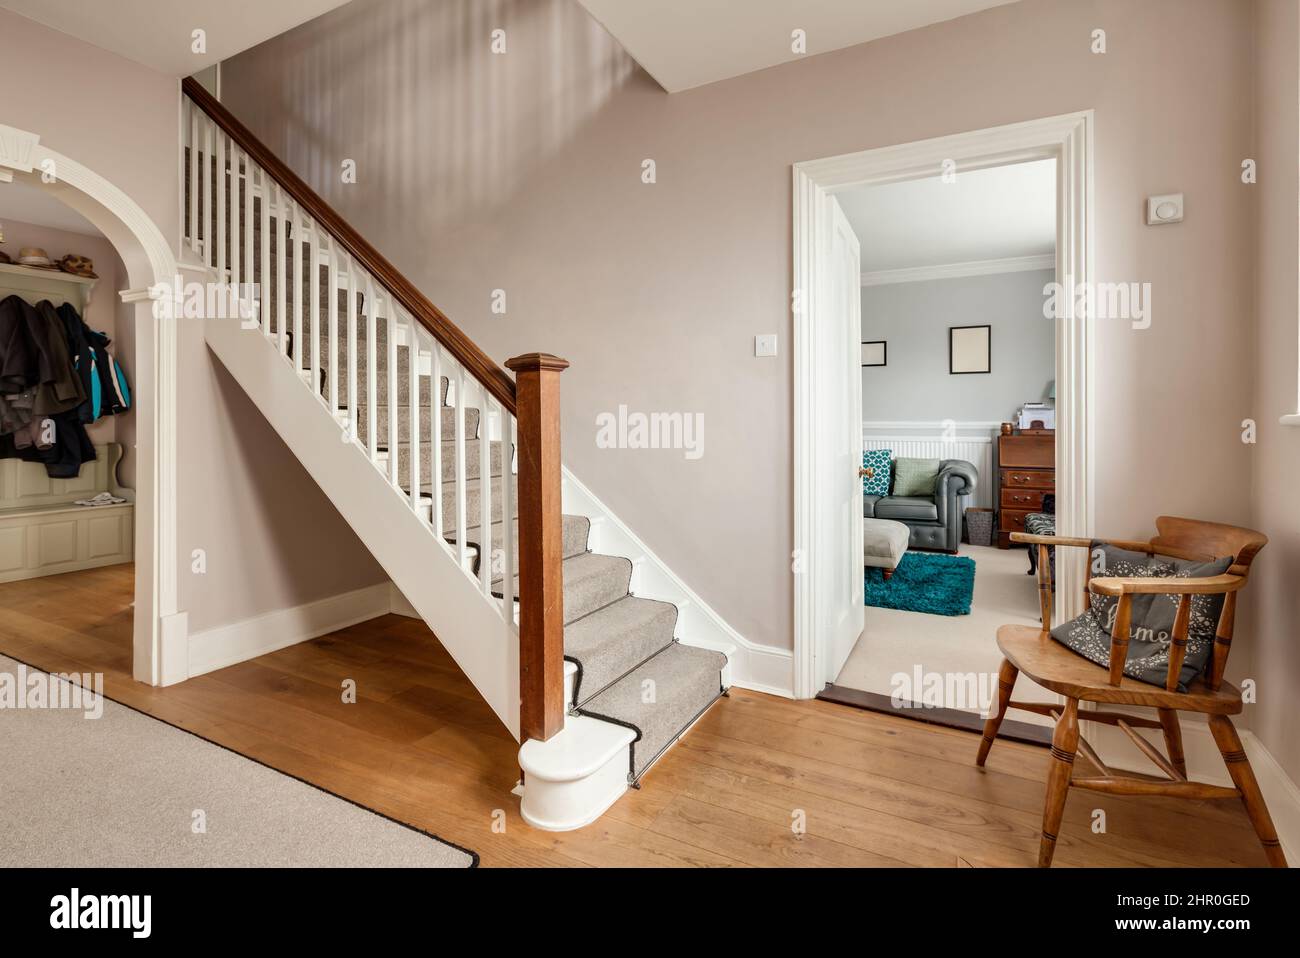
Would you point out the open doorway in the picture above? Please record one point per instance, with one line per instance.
(954, 440)
(67, 418)
(958, 367)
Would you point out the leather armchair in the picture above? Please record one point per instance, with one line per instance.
(934, 522)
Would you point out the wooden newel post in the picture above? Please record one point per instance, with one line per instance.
(541, 550)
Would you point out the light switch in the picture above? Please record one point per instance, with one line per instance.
(1165, 209)
(765, 345)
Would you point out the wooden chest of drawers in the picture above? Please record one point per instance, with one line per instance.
(1026, 466)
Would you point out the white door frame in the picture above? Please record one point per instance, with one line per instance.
(152, 274)
(1069, 140)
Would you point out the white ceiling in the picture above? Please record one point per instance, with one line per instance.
(1004, 212)
(687, 43)
(157, 33)
(23, 203)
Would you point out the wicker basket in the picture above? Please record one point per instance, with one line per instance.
(979, 527)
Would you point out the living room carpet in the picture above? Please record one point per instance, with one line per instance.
(128, 790)
(924, 582)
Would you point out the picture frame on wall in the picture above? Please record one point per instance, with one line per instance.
(875, 353)
(970, 350)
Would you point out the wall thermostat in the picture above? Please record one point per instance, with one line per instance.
(1165, 209)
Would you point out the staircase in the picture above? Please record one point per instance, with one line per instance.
(456, 490)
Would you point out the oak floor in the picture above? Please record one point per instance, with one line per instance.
(420, 746)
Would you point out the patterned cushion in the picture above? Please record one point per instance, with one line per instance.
(915, 477)
(1040, 524)
(876, 461)
(1152, 617)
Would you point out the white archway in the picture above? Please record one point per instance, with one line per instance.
(151, 268)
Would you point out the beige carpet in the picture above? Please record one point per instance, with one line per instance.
(895, 641)
(125, 790)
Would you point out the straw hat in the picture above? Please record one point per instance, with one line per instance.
(78, 266)
(35, 256)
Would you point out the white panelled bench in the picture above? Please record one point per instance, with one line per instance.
(43, 532)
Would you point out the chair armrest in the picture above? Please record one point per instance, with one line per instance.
(1209, 585)
(1034, 540)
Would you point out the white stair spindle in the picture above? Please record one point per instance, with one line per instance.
(281, 268)
(372, 376)
(435, 429)
(332, 333)
(312, 236)
(295, 250)
(248, 225)
(264, 279)
(208, 244)
(413, 401)
(351, 319)
(194, 176)
(460, 464)
(393, 439)
(236, 259)
(221, 206)
(485, 497)
(507, 517)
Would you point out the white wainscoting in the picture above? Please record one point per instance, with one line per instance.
(971, 441)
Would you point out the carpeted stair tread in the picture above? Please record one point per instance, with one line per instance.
(473, 496)
(685, 681)
(612, 641)
(448, 461)
(591, 581)
(447, 414)
(574, 535)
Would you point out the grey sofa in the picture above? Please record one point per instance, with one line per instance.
(933, 521)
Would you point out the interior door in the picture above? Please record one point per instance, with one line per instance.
(840, 448)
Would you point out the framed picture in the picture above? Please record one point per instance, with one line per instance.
(970, 349)
(873, 354)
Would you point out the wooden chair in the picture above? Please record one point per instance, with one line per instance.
(1055, 667)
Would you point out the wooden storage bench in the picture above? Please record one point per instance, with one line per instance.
(43, 533)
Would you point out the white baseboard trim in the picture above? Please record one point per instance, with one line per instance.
(1204, 764)
(760, 668)
(237, 642)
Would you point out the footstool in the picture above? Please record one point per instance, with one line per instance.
(883, 543)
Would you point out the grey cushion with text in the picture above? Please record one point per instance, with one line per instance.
(1152, 617)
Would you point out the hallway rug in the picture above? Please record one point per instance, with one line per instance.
(97, 784)
(924, 582)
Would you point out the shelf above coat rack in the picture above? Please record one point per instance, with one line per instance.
(35, 284)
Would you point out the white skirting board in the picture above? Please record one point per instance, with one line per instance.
(761, 668)
(1204, 764)
(227, 645)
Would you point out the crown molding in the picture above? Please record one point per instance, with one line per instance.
(983, 267)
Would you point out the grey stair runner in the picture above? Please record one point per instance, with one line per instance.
(632, 671)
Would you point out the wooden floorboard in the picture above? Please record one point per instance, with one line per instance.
(758, 781)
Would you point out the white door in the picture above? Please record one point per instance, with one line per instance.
(839, 449)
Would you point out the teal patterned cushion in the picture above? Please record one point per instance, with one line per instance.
(876, 481)
(1151, 622)
(915, 477)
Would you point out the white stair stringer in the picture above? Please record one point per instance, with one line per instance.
(483, 644)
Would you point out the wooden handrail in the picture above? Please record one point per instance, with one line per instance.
(476, 362)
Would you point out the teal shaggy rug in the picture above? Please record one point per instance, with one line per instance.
(925, 582)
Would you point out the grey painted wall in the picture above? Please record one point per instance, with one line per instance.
(913, 318)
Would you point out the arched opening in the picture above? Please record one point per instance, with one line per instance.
(150, 269)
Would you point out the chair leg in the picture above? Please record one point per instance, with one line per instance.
(1006, 682)
(1065, 741)
(1173, 739)
(1243, 776)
